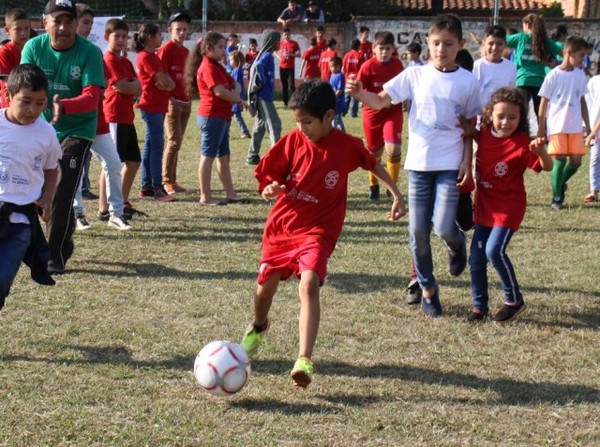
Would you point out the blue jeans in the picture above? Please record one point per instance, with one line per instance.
(240, 120)
(152, 153)
(351, 106)
(215, 136)
(432, 199)
(338, 123)
(13, 249)
(489, 244)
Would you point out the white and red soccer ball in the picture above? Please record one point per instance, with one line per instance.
(222, 368)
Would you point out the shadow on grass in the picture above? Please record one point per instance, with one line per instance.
(282, 407)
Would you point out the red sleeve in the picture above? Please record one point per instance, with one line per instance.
(84, 103)
(274, 166)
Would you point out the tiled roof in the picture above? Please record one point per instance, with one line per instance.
(474, 5)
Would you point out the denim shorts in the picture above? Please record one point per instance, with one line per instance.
(215, 136)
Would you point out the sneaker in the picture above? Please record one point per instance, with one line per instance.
(253, 160)
(161, 195)
(591, 198)
(178, 188)
(145, 193)
(169, 188)
(302, 372)
(476, 316)
(89, 195)
(129, 211)
(81, 222)
(252, 339)
(55, 269)
(103, 216)
(414, 292)
(119, 223)
(432, 306)
(374, 193)
(556, 205)
(245, 135)
(457, 261)
(508, 313)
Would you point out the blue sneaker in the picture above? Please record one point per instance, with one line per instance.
(432, 306)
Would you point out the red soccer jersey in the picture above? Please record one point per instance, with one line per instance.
(251, 56)
(287, 50)
(351, 63)
(152, 100)
(324, 59)
(366, 50)
(322, 45)
(173, 57)
(373, 74)
(313, 205)
(209, 75)
(500, 197)
(118, 108)
(10, 57)
(311, 65)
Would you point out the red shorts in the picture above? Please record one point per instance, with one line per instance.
(380, 129)
(287, 260)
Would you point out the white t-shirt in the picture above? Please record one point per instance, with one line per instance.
(592, 99)
(438, 100)
(493, 76)
(25, 152)
(564, 90)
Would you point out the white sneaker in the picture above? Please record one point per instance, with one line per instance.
(119, 223)
(81, 222)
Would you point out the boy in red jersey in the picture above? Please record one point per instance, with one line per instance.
(307, 172)
(173, 55)
(321, 40)
(310, 61)
(122, 85)
(325, 58)
(16, 25)
(383, 128)
(366, 47)
(289, 50)
(350, 65)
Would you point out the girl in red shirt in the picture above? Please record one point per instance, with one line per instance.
(154, 103)
(218, 91)
(504, 152)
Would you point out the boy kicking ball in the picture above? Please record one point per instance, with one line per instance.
(307, 172)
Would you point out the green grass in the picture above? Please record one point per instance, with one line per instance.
(105, 357)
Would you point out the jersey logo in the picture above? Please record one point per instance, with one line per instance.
(331, 179)
(37, 163)
(501, 169)
(76, 72)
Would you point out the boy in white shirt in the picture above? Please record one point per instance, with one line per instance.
(562, 110)
(29, 154)
(492, 70)
(438, 158)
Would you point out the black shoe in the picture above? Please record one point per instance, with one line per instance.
(476, 316)
(508, 313)
(457, 261)
(55, 269)
(415, 293)
(556, 205)
(253, 160)
(432, 307)
(374, 193)
(89, 195)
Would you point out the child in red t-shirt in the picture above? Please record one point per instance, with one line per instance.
(16, 25)
(310, 61)
(504, 152)
(325, 58)
(154, 104)
(289, 50)
(366, 47)
(383, 128)
(306, 171)
(218, 91)
(350, 66)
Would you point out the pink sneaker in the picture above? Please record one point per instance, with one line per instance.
(162, 196)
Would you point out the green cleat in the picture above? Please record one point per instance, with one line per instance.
(253, 339)
(302, 372)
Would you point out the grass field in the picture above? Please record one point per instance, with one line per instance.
(106, 356)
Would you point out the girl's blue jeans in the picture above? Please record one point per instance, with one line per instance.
(152, 154)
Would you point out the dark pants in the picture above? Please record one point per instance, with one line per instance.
(62, 224)
(532, 93)
(288, 83)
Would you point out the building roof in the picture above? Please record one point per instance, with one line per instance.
(472, 5)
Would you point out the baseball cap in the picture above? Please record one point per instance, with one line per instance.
(179, 16)
(58, 7)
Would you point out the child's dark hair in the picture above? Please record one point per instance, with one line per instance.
(83, 9)
(559, 33)
(14, 14)
(237, 58)
(576, 43)
(336, 61)
(253, 41)
(286, 30)
(497, 31)
(355, 44)
(233, 36)
(383, 38)
(194, 59)
(313, 41)
(140, 39)
(363, 29)
(115, 24)
(464, 59)
(414, 47)
(331, 43)
(28, 76)
(449, 22)
(314, 97)
(321, 28)
(511, 95)
(539, 37)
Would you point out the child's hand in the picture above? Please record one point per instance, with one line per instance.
(537, 146)
(590, 139)
(46, 206)
(271, 191)
(244, 105)
(353, 86)
(469, 131)
(464, 174)
(542, 134)
(398, 209)
(57, 109)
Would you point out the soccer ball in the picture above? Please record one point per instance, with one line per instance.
(222, 368)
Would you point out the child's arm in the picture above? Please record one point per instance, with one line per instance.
(130, 87)
(232, 96)
(272, 190)
(302, 65)
(398, 207)
(538, 147)
(585, 114)
(465, 173)
(542, 118)
(375, 101)
(592, 135)
(45, 202)
(163, 81)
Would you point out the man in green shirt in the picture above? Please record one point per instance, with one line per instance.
(76, 75)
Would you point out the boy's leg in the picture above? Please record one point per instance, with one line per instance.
(573, 164)
(594, 172)
(310, 312)
(105, 149)
(283, 77)
(129, 171)
(13, 249)
(557, 179)
(394, 156)
(478, 264)
(273, 121)
(258, 133)
(173, 134)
